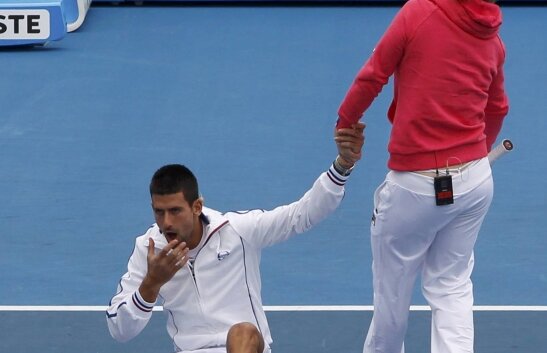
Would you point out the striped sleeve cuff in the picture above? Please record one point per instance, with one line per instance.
(140, 303)
(336, 177)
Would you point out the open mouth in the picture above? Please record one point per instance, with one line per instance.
(170, 235)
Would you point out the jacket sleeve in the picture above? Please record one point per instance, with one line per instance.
(375, 73)
(497, 106)
(264, 228)
(128, 313)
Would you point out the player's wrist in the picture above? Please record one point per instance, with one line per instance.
(149, 289)
(342, 166)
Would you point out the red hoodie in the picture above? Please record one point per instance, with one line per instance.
(449, 101)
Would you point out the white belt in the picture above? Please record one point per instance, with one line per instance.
(452, 169)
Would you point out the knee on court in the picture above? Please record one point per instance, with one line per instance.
(244, 330)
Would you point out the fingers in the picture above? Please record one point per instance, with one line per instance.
(182, 259)
(178, 257)
(355, 135)
(349, 154)
(171, 254)
(359, 126)
(163, 265)
(168, 248)
(350, 157)
(350, 141)
(150, 247)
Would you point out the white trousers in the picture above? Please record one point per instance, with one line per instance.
(409, 234)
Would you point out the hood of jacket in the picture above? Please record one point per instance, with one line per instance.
(479, 18)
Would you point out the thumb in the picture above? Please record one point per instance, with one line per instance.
(360, 126)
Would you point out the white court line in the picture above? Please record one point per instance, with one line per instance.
(276, 308)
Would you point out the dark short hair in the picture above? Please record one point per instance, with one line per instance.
(174, 178)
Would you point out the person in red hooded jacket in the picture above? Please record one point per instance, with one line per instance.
(449, 103)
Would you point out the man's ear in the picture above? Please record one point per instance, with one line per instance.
(197, 206)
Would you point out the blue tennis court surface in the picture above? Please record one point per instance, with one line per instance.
(247, 98)
(294, 332)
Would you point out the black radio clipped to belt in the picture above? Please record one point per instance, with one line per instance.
(444, 194)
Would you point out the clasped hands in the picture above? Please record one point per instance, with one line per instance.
(349, 142)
